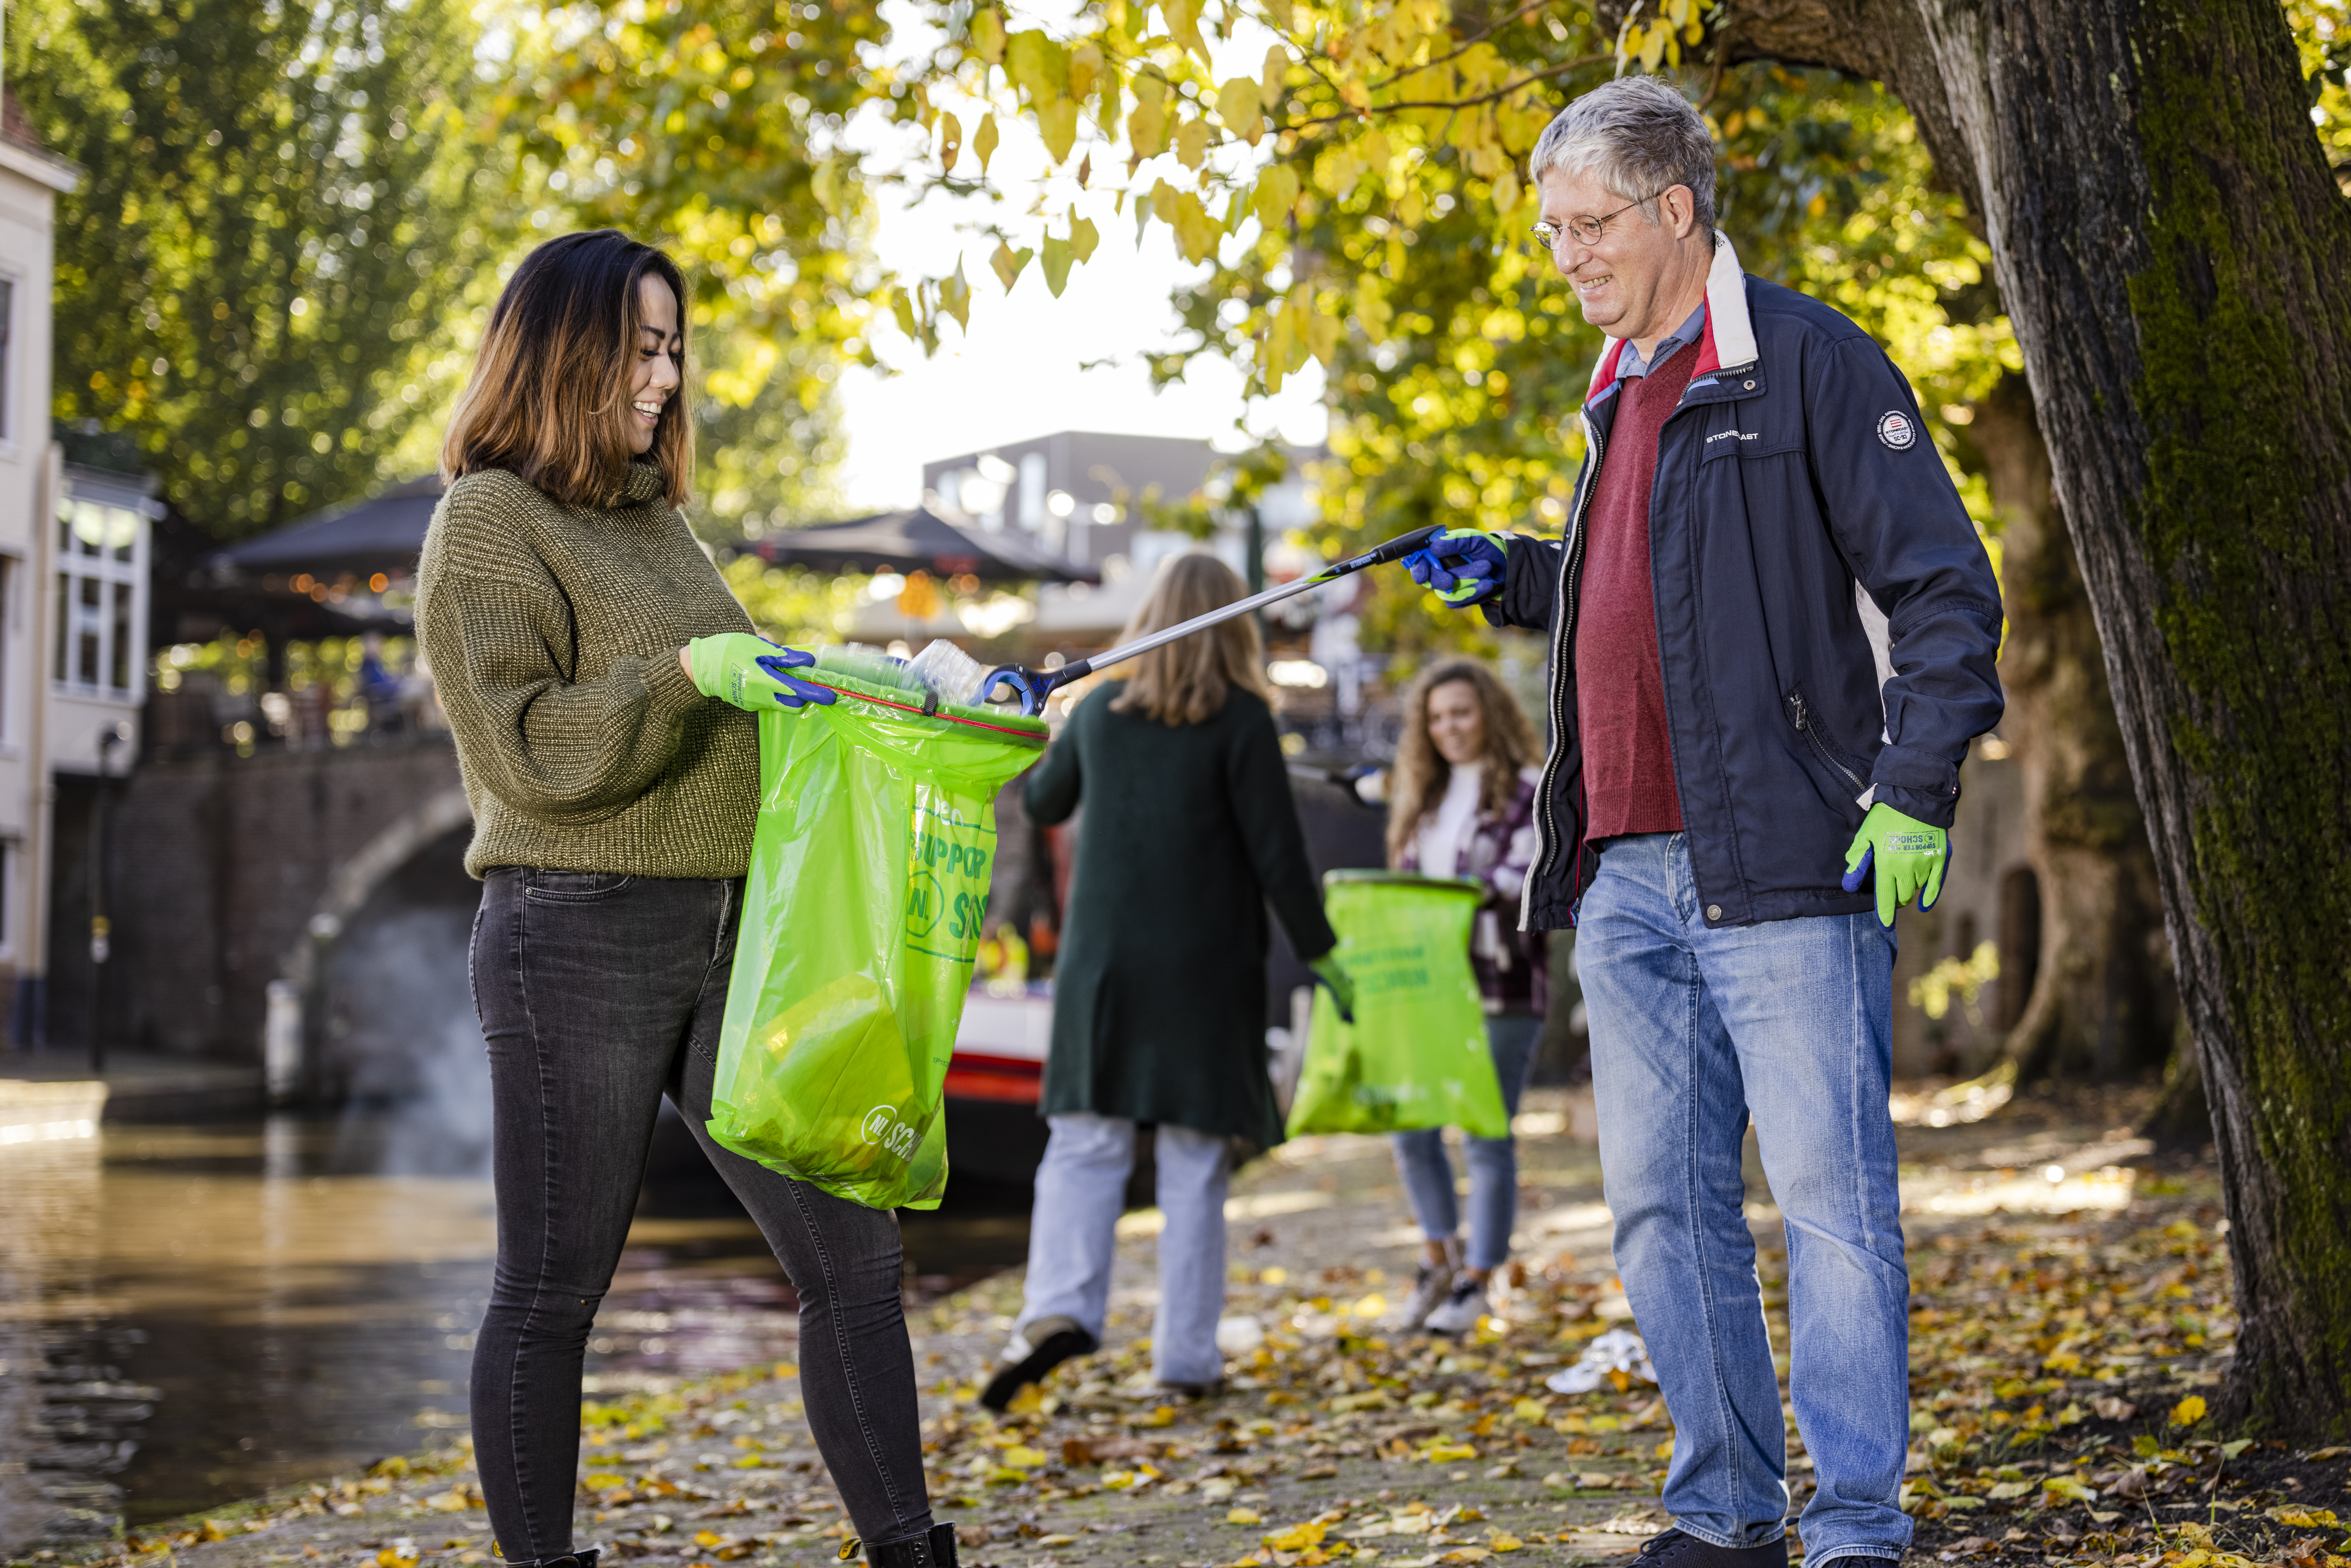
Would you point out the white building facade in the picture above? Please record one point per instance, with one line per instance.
(32, 484)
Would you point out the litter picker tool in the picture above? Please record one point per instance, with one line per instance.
(1033, 686)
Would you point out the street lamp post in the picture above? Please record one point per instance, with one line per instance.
(101, 929)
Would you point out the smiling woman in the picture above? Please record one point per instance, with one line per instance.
(579, 633)
(568, 389)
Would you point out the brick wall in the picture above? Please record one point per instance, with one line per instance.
(215, 867)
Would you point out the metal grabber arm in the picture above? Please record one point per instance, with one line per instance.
(1031, 687)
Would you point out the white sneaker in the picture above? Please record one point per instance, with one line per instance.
(1463, 1305)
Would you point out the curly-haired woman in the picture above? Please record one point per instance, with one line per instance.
(1460, 803)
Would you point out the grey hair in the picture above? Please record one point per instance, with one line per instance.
(1642, 138)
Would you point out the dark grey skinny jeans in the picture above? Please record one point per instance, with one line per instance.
(598, 993)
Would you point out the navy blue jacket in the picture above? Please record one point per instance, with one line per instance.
(1826, 616)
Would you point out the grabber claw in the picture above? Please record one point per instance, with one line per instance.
(1030, 686)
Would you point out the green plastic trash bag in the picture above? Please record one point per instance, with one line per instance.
(860, 916)
(1416, 1055)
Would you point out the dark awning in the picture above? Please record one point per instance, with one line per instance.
(917, 540)
(383, 533)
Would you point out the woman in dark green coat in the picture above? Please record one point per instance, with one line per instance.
(1159, 999)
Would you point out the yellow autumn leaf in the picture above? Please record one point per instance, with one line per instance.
(1083, 235)
(2188, 1411)
(1020, 1456)
(1058, 123)
(1322, 342)
(955, 297)
(1297, 1537)
(1054, 257)
(1275, 198)
(1506, 190)
(1503, 1540)
(950, 142)
(1183, 26)
(1146, 129)
(1242, 110)
(1007, 263)
(1244, 1516)
(1196, 237)
(708, 1538)
(988, 36)
(983, 141)
(1192, 143)
(1085, 69)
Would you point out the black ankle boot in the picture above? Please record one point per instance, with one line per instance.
(934, 1549)
(582, 1559)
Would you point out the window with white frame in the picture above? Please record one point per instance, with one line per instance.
(101, 569)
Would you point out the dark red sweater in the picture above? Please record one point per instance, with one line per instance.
(1629, 757)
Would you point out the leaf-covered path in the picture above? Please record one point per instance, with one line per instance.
(2070, 1308)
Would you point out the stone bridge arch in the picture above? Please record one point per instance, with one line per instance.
(222, 869)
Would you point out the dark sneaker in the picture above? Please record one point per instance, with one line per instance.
(1429, 1289)
(1463, 1305)
(1673, 1549)
(1035, 1350)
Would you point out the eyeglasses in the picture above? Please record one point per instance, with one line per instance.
(1586, 230)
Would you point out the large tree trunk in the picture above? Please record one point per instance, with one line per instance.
(2177, 259)
(2102, 1002)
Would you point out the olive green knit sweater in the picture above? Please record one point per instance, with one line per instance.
(553, 633)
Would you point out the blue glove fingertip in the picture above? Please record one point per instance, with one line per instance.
(1858, 877)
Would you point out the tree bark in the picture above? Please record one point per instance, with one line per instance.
(2176, 258)
(2102, 1003)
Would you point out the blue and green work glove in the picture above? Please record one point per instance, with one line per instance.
(752, 671)
(1343, 986)
(1461, 565)
(1906, 855)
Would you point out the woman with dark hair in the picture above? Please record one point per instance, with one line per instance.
(1461, 803)
(578, 632)
(1159, 989)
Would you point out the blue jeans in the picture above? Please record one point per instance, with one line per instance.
(1693, 1030)
(1073, 1236)
(1493, 1162)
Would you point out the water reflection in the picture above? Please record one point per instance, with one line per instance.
(190, 1315)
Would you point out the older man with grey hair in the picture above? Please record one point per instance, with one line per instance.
(1772, 629)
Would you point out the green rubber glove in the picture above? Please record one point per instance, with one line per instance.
(1343, 986)
(752, 671)
(1907, 856)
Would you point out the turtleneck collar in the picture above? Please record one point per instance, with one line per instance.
(643, 483)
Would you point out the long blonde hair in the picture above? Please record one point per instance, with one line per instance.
(1417, 780)
(1186, 681)
(548, 396)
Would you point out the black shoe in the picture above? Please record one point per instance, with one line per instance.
(936, 1548)
(1034, 1351)
(585, 1558)
(1672, 1547)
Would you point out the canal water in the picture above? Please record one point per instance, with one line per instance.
(189, 1314)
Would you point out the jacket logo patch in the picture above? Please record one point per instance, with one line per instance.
(1896, 430)
(1734, 435)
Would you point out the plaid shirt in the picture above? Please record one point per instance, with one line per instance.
(1501, 846)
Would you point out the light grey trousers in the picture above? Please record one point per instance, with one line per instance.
(1074, 1231)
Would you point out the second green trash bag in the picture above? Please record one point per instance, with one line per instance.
(861, 917)
(1416, 1055)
